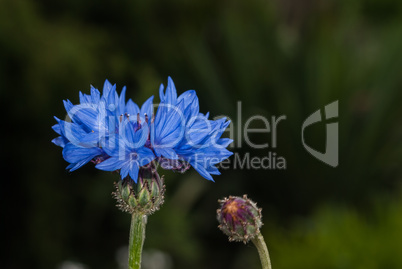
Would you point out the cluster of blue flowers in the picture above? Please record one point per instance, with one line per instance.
(120, 136)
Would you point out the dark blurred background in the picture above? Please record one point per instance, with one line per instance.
(276, 57)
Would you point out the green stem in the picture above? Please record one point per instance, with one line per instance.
(262, 251)
(137, 236)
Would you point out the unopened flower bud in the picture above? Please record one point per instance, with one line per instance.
(145, 196)
(239, 218)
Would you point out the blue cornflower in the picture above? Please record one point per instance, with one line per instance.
(91, 125)
(182, 135)
(116, 135)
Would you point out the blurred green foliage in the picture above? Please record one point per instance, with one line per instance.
(276, 57)
(339, 237)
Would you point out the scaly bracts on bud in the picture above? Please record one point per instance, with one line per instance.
(239, 218)
(145, 196)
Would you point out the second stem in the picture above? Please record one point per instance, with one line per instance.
(259, 242)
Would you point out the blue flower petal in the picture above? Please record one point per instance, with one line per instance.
(167, 153)
(74, 166)
(67, 105)
(224, 142)
(142, 135)
(147, 108)
(95, 95)
(174, 125)
(56, 127)
(161, 93)
(111, 164)
(201, 170)
(171, 94)
(74, 154)
(107, 87)
(132, 108)
(72, 132)
(59, 141)
(146, 156)
(122, 102)
(134, 138)
(124, 170)
(213, 170)
(133, 171)
(84, 114)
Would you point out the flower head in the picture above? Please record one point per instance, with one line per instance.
(91, 128)
(239, 218)
(120, 136)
